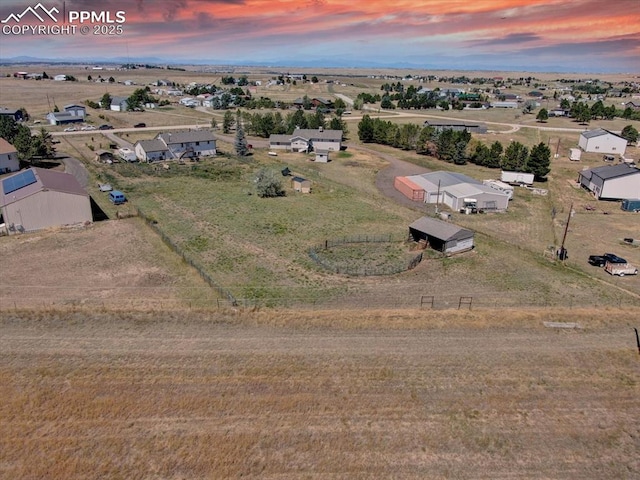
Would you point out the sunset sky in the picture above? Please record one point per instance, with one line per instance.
(539, 35)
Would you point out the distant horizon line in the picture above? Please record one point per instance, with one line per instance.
(27, 60)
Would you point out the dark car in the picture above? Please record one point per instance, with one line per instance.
(613, 258)
(105, 127)
(140, 125)
(597, 260)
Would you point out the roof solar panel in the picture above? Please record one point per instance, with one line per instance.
(11, 184)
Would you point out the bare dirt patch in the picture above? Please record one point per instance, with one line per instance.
(109, 263)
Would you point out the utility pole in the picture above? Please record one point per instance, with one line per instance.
(562, 252)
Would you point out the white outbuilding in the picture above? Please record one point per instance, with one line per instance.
(456, 189)
(612, 182)
(602, 141)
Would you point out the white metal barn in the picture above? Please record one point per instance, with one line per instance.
(602, 141)
(38, 198)
(612, 182)
(452, 189)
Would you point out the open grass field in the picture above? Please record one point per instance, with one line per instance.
(288, 395)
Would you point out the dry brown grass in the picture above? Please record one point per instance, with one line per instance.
(378, 394)
(113, 263)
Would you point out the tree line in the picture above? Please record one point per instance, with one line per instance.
(29, 147)
(265, 124)
(455, 147)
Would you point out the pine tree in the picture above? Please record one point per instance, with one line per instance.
(240, 143)
(539, 161)
(227, 122)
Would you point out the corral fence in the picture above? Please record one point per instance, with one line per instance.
(401, 265)
(223, 292)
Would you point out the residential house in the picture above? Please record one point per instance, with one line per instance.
(153, 150)
(176, 145)
(16, 114)
(190, 102)
(305, 140)
(322, 103)
(189, 144)
(9, 161)
(76, 110)
(39, 198)
(632, 105)
(602, 141)
(62, 118)
(119, 104)
(611, 182)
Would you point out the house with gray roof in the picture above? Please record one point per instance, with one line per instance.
(602, 141)
(190, 143)
(75, 109)
(39, 198)
(442, 236)
(14, 113)
(176, 145)
(307, 139)
(118, 104)
(62, 118)
(611, 182)
(153, 150)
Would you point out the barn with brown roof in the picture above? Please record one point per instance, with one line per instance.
(38, 198)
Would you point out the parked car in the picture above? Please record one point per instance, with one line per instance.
(597, 260)
(70, 129)
(88, 127)
(105, 127)
(105, 187)
(117, 197)
(613, 258)
(140, 125)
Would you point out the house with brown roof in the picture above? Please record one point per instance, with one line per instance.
(38, 198)
(9, 161)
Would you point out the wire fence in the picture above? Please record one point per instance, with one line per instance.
(341, 303)
(223, 292)
(352, 268)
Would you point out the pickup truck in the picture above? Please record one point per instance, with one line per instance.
(620, 269)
